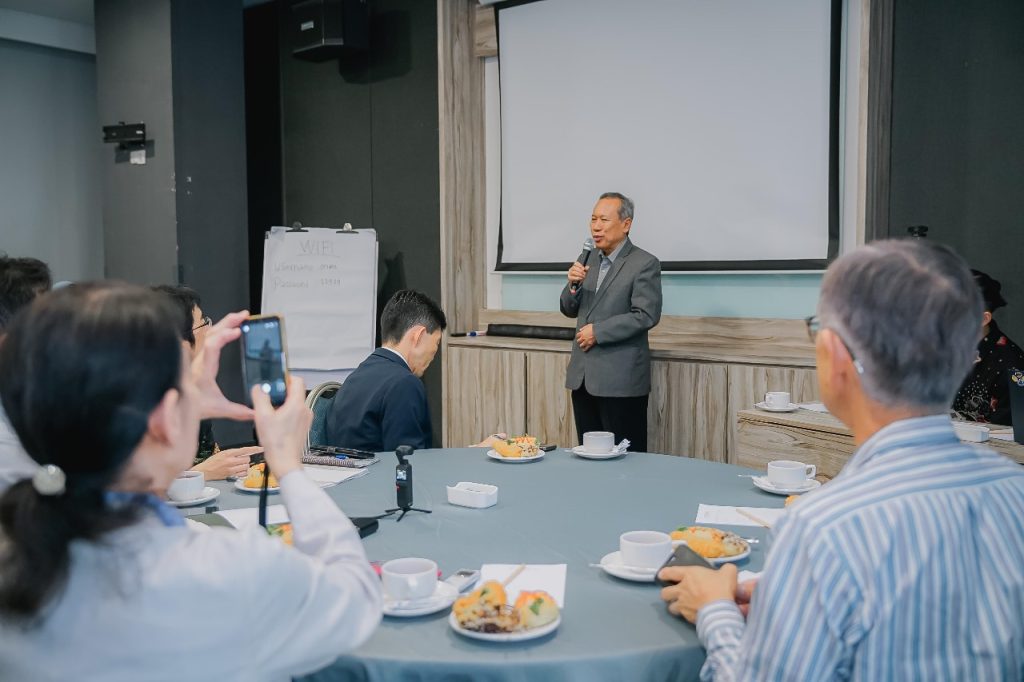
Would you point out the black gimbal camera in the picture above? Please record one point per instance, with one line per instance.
(403, 483)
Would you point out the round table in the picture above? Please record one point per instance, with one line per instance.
(560, 509)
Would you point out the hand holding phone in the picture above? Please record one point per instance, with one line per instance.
(283, 431)
(265, 357)
(682, 556)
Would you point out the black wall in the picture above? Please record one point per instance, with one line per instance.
(209, 162)
(958, 134)
(358, 143)
(177, 66)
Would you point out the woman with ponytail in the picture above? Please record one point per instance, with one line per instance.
(101, 580)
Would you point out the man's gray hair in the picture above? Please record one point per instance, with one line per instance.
(625, 204)
(911, 313)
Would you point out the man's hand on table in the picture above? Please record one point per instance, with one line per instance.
(585, 337)
(490, 440)
(224, 463)
(696, 587)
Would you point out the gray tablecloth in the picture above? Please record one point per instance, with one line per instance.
(557, 510)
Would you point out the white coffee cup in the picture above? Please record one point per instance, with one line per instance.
(645, 548)
(187, 486)
(777, 399)
(598, 442)
(788, 473)
(409, 578)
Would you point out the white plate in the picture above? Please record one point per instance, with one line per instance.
(580, 452)
(240, 485)
(719, 560)
(443, 597)
(793, 407)
(611, 563)
(764, 484)
(209, 494)
(515, 460)
(519, 636)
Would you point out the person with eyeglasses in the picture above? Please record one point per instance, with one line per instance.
(214, 463)
(910, 563)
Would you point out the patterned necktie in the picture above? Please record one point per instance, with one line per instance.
(606, 265)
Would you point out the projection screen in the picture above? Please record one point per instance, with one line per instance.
(719, 118)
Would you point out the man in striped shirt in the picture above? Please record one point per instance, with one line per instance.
(910, 563)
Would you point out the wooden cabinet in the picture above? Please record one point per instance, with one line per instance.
(749, 383)
(486, 392)
(703, 372)
(549, 413)
(686, 413)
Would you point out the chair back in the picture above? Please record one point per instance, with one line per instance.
(319, 400)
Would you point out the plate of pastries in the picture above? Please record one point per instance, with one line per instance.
(253, 481)
(485, 614)
(517, 450)
(714, 544)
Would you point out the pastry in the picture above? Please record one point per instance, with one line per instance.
(254, 479)
(710, 543)
(536, 609)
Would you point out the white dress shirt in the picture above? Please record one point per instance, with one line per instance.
(168, 603)
(15, 464)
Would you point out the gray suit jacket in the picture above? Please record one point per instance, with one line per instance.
(628, 304)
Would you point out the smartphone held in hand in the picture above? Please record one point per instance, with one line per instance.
(265, 357)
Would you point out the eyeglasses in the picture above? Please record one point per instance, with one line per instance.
(814, 326)
(205, 322)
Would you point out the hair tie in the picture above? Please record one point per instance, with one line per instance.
(49, 480)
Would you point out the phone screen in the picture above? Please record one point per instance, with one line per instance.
(683, 556)
(264, 360)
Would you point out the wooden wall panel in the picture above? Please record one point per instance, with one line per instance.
(460, 90)
(487, 393)
(686, 414)
(758, 443)
(749, 383)
(549, 414)
(707, 339)
(485, 33)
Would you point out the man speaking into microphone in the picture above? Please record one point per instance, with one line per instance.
(614, 292)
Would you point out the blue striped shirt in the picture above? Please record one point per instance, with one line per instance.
(908, 566)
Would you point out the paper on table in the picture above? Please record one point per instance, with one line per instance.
(547, 577)
(814, 407)
(728, 516)
(249, 516)
(322, 474)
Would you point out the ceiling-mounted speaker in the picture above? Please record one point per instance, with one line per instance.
(327, 29)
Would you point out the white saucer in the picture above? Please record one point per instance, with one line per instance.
(240, 485)
(719, 560)
(580, 452)
(515, 460)
(793, 407)
(611, 564)
(443, 597)
(518, 636)
(209, 494)
(764, 484)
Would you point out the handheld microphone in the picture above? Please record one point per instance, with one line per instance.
(588, 245)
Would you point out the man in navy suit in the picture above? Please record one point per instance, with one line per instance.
(383, 403)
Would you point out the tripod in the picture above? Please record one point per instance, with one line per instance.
(403, 484)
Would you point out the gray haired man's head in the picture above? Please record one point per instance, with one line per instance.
(625, 204)
(910, 312)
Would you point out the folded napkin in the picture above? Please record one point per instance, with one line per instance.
(711, 514)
